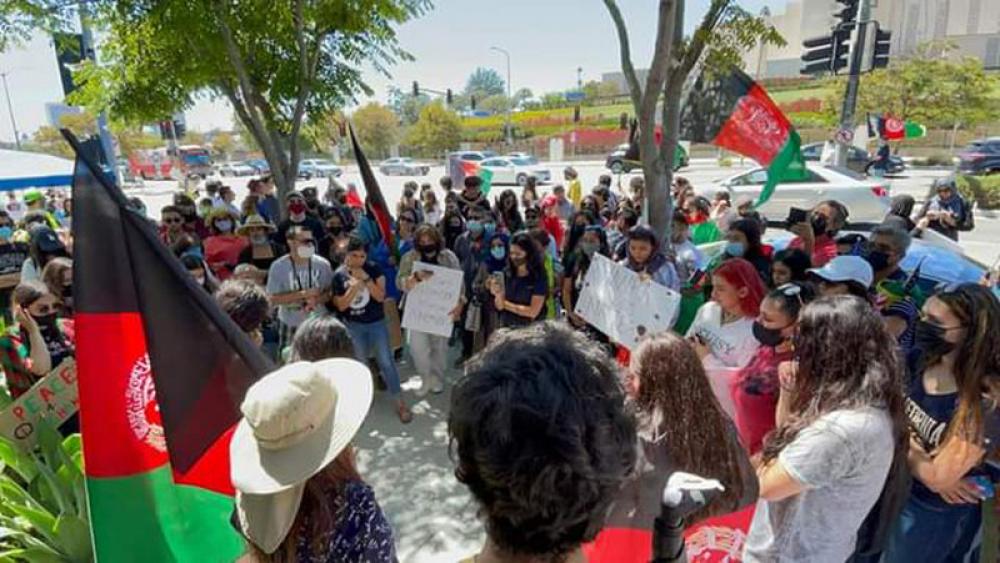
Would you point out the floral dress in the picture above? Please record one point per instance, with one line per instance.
(362, 533)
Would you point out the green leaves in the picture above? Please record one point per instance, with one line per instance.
(438, 130)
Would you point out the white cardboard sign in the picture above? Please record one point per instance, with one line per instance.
(429, 303)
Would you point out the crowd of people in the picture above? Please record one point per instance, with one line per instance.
(853, 407)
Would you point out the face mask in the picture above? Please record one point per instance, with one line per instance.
(258, 239)
(930, 338)
(735, 249)
(195, 252)
(498, 252)
(589, 248)
(67, 291)
(767, 336)
(879, 260)
(305, 251)
(199, 280)
(224, 226)
(335, 230)
(428, 251)
(489, 228)
(456, 225)
(45, 321)
(819, 225)
(297, 208)
(476, 228)
(6, 232)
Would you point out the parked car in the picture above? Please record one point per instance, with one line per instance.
(858, 160)
(619, 162)
(404, 166)
(515, 170)
(471, 156)
(259, 165)
(867, 201)
(235, 168)
(318, 168)
(523, 156)
(980, 157)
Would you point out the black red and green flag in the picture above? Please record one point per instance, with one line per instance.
(460, 169)
(730, 110)
(377, 206)
(162, 372)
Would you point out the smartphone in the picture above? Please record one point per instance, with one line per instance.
(985, 486)
(796, 216)
(498, 279)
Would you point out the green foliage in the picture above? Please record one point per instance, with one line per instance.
(43, 503)
(934, 86)
(377, 129)
(436, 131)
(484, 82)
(737, 32)
(935, 159)
(497, 103)
(406, 106)
(984, 190)
(20, 18)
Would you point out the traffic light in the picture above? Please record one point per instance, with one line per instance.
(447, 96)
(166, 127)
(472, 102)
(416, 89)
(880, 55)
(180, 128)
(827, 53)
(849, 13)
(576, 114)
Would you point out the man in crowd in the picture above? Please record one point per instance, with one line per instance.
(445, 182)
(947, 212)
(618, 231)
(268, 206)
(817, 236)
(298, 216)
(564, 207)
(887, 247)
(246, 303)
(36, 202)
(298, 282)
(472, 196)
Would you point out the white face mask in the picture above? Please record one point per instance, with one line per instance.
(305, 251)
(199, 280)
(224, 226)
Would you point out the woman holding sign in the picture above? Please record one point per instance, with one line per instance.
(429, 351)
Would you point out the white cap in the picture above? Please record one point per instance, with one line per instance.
(845, 269)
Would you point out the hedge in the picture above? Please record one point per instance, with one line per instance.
(984, 190)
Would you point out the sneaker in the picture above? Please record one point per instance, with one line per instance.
(437, 385)
(404, 413)
(425, 386)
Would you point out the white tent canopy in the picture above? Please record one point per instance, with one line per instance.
(19, 170)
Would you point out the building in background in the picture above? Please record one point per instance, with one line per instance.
(54, 111)
(973, 25)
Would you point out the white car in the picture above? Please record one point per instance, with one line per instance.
(515, 170)
(318, 168)
(236, 168)
(867, 201)
(524, 156)
(404, 166)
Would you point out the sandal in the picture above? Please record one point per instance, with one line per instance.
(404, 413)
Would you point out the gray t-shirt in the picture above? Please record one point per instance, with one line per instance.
(286, 277)
(842, 460)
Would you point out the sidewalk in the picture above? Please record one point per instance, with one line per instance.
(432, 514)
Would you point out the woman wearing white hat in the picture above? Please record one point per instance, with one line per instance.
(298, 493)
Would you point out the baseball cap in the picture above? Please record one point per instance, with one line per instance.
(846, 269)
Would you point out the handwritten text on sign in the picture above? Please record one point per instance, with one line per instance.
(53, 398)
(616, 302)
(429, 303)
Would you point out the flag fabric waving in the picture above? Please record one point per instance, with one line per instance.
(459, 170)
(732, 111)
(378, 207)
(894, 128)
(161, 372)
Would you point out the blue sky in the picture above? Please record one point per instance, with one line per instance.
(547, 41)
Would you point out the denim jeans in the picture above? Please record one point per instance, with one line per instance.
(932, 533)
(372, 339)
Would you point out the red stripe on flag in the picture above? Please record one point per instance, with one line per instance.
(119, 417)
(211, 471)
(756, 128)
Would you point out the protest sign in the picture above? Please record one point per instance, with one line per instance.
(429, 303)
(616, 302)
(53, 398)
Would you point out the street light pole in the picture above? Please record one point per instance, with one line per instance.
(510, 100)
(89, 51)
(10, 110)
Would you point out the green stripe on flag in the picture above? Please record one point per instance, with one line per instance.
(486, 175)
(913, 130)
(787, 165)
(147, 517)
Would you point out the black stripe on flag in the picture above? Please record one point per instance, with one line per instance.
(710, 103)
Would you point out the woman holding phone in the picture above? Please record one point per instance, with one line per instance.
(520, 299)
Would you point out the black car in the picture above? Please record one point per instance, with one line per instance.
(858, 160)
(980, 157)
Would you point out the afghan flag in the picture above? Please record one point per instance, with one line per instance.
(162, 372)
(732, 111)
(459, 170)
(913, 130)
(378, 207)
(894, 128)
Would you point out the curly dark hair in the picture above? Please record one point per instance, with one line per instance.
(846, 360)
(245, 302)
(541, 437)
(671, 379)
(321, 338)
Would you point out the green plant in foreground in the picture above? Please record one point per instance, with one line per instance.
(43, 503)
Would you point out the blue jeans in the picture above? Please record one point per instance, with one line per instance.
(933, 533)
(372, 339)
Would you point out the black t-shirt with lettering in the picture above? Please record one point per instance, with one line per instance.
(520, 290)
(363, 309)
(12, 257)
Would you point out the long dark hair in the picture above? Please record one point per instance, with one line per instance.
(534, 258)
(751, 230)
(977, 364)
(846, 360)
(576, 231)
(511, 217)
(671, 379)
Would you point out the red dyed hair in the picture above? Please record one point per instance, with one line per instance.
(740, 273)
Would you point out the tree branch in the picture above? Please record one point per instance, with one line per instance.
(628, 69)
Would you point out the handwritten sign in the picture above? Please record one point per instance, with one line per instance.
(616, 302)
(429, 303)
(53, 398)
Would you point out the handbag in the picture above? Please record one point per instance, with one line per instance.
(473, 317)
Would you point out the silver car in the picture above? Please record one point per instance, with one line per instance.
(515, 171)
(867, 201)
(403, 166)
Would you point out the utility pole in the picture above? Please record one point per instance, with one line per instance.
(10, 110)
(510, 100)
(90, 52)
(853, 79)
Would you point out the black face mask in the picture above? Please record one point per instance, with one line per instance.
(879, 260)
(767, 336)
(427, 251)
(335, 231)
(819, 225)
(930, 339)
(67, 291)
(45, 321)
